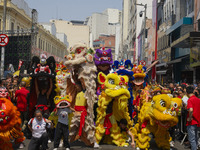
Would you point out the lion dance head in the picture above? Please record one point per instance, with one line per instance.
(9, 125)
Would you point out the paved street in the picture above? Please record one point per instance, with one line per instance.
(80, 146)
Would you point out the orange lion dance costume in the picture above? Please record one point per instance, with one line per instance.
(9, 125)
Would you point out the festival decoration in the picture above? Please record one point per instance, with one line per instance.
(81, 88)
(3, 92)
(125, 68)
(139, 82)
(62, 73)
(58, 100)
(26, 80)
(42, 70)
(156, 117)
(103, 60)
(112, 107)
(10, 123)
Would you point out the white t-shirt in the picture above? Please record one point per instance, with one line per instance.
(39, 127)
(63, 115)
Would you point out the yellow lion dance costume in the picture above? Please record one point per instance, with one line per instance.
(9, 125)
(156, 117)
(112, 107)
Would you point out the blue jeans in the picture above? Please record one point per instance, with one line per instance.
(193, 136)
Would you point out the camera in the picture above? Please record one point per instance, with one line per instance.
(141, 13)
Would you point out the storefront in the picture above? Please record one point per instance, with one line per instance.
(164, 70)
(184, 52)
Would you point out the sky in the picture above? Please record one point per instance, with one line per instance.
(70, 9)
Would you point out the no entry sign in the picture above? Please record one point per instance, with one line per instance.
(3, 39)
(142, 62)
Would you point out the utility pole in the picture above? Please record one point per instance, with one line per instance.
(3, 32)
(156, 43)
(144, 29)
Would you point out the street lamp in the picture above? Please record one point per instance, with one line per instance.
(144, 30)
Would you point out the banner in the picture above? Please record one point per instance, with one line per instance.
(195, 56)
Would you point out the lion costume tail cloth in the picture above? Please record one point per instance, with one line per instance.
(9, 125)
(82, 124)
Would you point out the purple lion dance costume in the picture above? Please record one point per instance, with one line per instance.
(103, 61)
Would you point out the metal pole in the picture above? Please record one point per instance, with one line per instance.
(3, 31)
(144, 31)
(156, 45)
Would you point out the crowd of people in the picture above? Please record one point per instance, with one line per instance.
(17, 89)
(186, 131)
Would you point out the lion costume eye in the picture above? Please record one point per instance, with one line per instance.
(56, 98)
(111, 81)
(175, 105)
(78, 50)
(152, 102)
(162, 103)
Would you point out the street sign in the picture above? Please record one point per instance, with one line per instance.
(142, 62)
(3, 39)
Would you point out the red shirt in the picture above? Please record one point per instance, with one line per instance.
(21, 99)
(194, 102)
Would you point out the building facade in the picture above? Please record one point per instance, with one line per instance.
(133, 20)
(107, 41)
(179, 39)
(75, 32)
(27, 38)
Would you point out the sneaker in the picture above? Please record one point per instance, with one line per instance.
(21, 146)
(67, 148)
(49, 141)
(61, 144)
(137, 148)
(96, 145)
(171, 144)
(128, 140)
(55, 149)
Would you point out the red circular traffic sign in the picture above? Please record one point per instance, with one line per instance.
(142, 62)
(3, 39)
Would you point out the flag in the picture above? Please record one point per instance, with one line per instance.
(20, 64)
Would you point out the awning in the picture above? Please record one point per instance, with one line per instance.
(189, 40)
(161, 72)
(183, 21)
(177, 60)
(162, 64)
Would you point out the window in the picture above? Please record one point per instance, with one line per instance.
(12, 27)
(39, 44)
(43, 46)
(199, 25)
(17, 28)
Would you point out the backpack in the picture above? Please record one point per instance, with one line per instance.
(34, 118)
